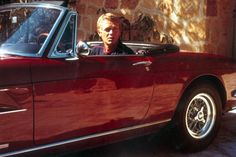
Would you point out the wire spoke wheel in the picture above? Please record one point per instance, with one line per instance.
(200, 115)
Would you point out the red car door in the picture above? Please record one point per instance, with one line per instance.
(88, 96)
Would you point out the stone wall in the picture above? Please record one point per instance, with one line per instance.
(196, 25)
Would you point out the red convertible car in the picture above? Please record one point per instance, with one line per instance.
(53, 96)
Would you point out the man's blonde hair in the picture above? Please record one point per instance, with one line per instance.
(110, 17)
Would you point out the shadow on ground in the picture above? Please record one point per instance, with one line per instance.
(159, 145)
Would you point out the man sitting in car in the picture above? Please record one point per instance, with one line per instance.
(109, 29)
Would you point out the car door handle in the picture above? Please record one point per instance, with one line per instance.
(145, 63)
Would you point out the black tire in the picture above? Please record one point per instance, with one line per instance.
(197, 118)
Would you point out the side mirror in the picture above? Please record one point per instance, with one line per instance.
(82, 48)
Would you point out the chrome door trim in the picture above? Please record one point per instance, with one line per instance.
(84, 138)
(146, 63)
(13, 111)
(2, 146)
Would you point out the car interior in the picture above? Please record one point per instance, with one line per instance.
(146, 49)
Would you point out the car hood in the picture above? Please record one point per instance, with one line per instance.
(7, 57)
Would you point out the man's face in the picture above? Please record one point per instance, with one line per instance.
(109, 32)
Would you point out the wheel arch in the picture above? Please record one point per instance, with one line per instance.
(216, 82)
(185, 141)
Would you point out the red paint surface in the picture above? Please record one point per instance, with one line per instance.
(96, 94)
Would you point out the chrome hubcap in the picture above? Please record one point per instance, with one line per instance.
(200, 116)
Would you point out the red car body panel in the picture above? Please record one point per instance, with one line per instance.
(175, 72)
(96, 88)
(51, 99)
(16, 103)
(58, 94)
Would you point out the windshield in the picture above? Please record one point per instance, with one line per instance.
(24, 30)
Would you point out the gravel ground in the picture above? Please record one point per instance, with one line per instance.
(223, 146)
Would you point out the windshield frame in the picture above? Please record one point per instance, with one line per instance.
(62, 10)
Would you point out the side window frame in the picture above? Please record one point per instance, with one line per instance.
(72, 53)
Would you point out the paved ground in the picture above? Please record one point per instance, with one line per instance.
(223, 146)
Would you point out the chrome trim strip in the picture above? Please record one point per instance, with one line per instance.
(51, 33)
(84, 138)
(2, 146)
(53, 52)
(13, 111)
(233, 108)
(145, 63)
(44, 5)
(4, 90)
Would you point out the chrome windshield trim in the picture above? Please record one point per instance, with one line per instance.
(13, 111)
(84, 138)
(45, 44)
(53, 53)
(44, 5)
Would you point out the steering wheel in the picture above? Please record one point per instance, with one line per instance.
(41, 38)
